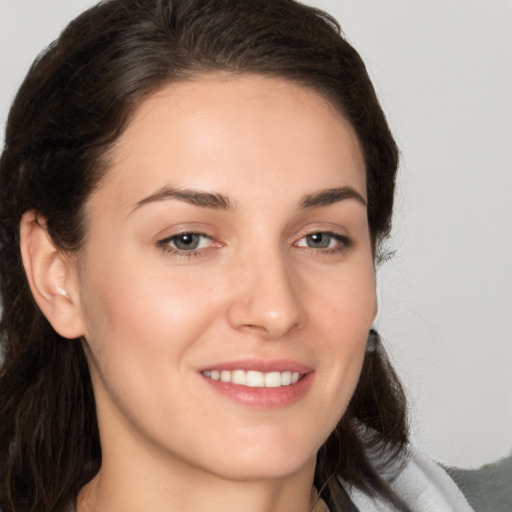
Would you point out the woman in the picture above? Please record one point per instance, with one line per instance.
(193, 198)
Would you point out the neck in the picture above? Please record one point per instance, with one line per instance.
(135, 490)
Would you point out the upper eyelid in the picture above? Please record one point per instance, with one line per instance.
(186, 232)
(309, 232)
(167, 239)
(181, 232)
(337, 232)
(203, 233)
(166, 245)
(327, 231)
(338, 236)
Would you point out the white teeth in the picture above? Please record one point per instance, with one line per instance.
(254, 379)
(273, 380)
(238, 377)
(286, 378)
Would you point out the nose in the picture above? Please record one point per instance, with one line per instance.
(267, 301)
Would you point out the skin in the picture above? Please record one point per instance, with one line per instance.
(258, 287)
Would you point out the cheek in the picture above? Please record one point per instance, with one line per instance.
(142, 327)
(342, 316)
(353, 312)
(344, 302)
(131, 283)
(135, 314)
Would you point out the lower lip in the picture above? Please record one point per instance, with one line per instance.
(263, 398)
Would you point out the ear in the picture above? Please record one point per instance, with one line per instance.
(52, 276)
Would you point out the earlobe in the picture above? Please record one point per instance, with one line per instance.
(51, 275)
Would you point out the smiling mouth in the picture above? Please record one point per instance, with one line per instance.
(254, 379)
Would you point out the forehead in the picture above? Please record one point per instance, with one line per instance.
(236, 134)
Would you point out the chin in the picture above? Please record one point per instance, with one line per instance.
(270, 460)
(260, 470)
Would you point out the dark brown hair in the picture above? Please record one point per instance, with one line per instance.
(75, 102)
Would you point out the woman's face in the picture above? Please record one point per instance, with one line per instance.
(228, 241)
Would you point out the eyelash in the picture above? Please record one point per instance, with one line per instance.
(343, 244)
(166, 246)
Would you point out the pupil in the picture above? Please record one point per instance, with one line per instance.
(319, 240)
(187, 241)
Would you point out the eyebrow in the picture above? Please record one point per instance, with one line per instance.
(218, 201)
(331, 196)
(194, 197)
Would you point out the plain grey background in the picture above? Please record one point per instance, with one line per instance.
(443, 71)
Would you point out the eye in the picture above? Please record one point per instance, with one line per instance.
(323, 240)
(186, 242)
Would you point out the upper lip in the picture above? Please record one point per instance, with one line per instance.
(260, 365)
